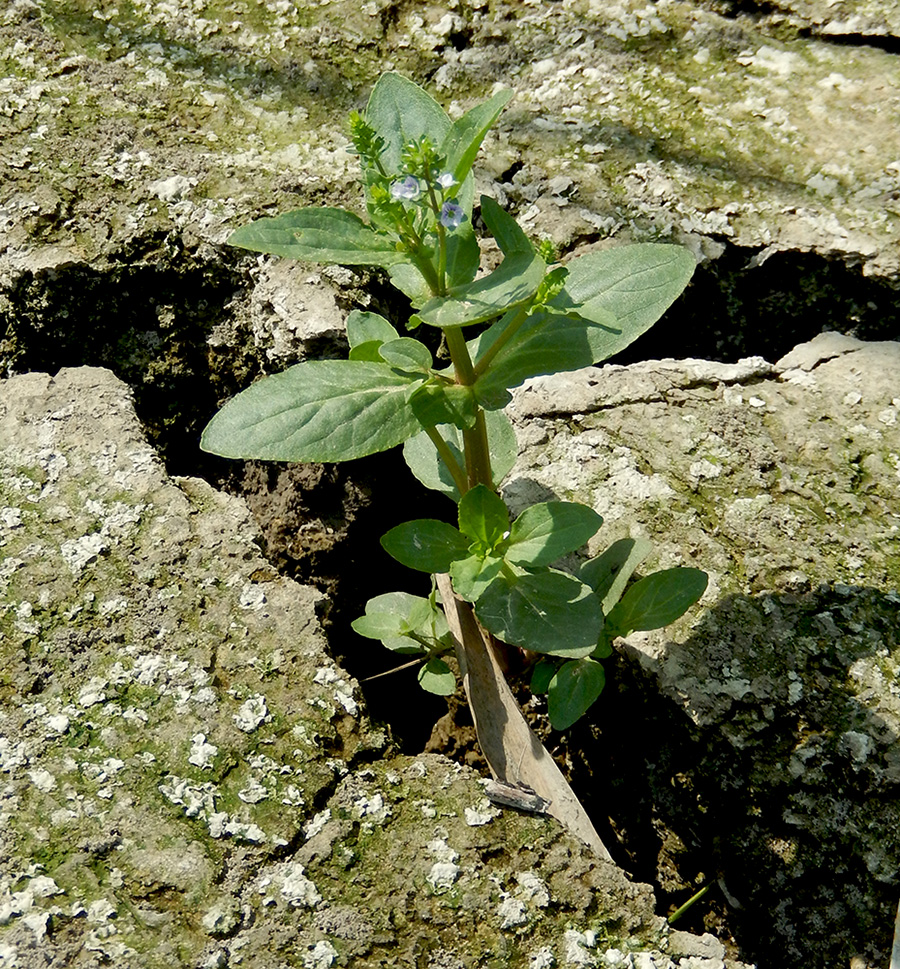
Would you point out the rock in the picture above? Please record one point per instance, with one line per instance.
(781, 482)
(189, 779)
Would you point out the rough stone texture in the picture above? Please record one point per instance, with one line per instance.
(781, 481)
(123, 124)
(186, 778)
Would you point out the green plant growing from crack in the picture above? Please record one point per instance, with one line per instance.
(532, 316)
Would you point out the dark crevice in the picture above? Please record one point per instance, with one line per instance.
(886, 42)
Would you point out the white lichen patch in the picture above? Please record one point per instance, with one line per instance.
(287, 882)
(483, 813)
(202, 753)
(444, 871)
(577, 948)
(252, 713)
(320, 956)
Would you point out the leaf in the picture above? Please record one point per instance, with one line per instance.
(319, 235)
(437, 677)
(400, 112)
(572, 691)
(319, 410)
(483, 516)
(512, 283)
(466, 134)
(425, 544)
(390, 617)
(423, 460)
(406, 353)
(366, 352)
(472, 575)
(437, 402)
(610, 298)
(636, 283)
(547, 612)
(544, 532)
(541, 676)
(657, 600)
(608, 574)
(545, 343)
(364, 327)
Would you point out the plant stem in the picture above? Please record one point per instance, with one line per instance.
(478, 455)
(683, 908)
(446, 455)
(508, 333)
(442, 240)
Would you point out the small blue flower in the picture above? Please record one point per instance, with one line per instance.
(409, 189)
(452, 215)
(446, 181)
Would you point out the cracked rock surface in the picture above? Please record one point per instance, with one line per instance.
(781, 481)
(186, 778)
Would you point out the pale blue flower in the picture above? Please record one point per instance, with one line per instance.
(452, 215)
(446, 181)
(409, 189)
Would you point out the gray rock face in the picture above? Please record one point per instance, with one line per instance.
(782, 482)
(187, 777)
(640, 119)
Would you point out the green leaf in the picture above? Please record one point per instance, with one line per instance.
(657, 600)
(400, 112)
(392, 616)
(541, 676)
(423, 460)
(319, 235)
(608, 574)
(364, 327)
(366, 352)
(547, 612)
(635, 283)
(320, 410)
(425, 544)
(463, 252)
(437, 402)
(572, 691)
(609, 299)
(472, 575)
(467, 133)
(514, 282)
(437, 677)
(406, 353)
(544, 532)
(483, 516)
(545, 343)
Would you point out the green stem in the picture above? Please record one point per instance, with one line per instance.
(478, 455)
(442, 239)
(694, 898)
(447, 456)
(508, 333)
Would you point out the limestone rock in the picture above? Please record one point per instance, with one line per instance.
(780, 481)
(188, 778)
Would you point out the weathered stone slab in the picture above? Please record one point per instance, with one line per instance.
(186, 778)
(781, 481)
(125, 123)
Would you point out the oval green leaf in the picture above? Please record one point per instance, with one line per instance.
(437, 677)
(657, 600)
(320, 410)
(572, 690)
(425, 544)
(547, 612)
(483, 516)
(544, 532)
(319, 235)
